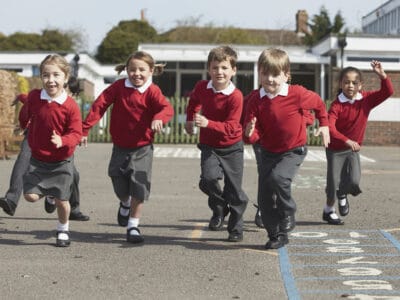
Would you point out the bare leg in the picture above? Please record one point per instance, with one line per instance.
(63, 210)
(136, 208)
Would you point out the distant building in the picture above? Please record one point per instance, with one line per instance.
(315, 68)
(385, 19)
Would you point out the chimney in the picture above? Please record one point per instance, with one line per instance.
(301, 22)
(142, 16)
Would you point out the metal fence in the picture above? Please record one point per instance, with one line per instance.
(173, 133)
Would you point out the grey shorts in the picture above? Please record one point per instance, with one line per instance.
(130, 171)
(50, 179)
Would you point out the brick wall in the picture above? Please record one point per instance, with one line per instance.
(382, 133)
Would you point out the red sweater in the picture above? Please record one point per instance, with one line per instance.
(281, 124)
(44, 117)
(348, 121)
(222, 111)
(132, 113)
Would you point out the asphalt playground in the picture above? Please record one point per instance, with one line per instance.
(182, 259)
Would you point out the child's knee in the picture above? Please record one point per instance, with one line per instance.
(31, 197)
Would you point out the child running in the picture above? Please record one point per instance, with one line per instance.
(275, 119)
(139, 111)
(55, 129)
(216, 107)
(348, 116)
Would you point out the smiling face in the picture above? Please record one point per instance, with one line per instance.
(350, 84)
(221, 73)
(53, 79)
(272, 83)
(138, 72)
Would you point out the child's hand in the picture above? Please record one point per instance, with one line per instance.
(378, 69)
(200, 120)
(56, 139)
(250, 127)
(324, 132)
(189, 127)
(157, 126)
(84, 141)
(353, 145)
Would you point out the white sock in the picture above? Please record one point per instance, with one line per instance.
(51, 200)
(125, 211)
(133, 222)
(329, 209)
(342, 202)
(62, 227)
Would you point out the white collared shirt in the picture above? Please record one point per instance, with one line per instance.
(60, 99)
(227, 91)
(284, 91)
(141, 89)
(343, 99)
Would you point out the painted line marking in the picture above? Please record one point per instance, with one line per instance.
(193, 152)
(364, 275)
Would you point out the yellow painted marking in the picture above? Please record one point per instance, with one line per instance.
(197, 233)
(392, 230)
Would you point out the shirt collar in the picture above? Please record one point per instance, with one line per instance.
(60, 99)
(343, 99)
(141, 89)
(227, 91)
(284, 91)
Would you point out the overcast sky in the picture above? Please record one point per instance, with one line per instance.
(94, 18)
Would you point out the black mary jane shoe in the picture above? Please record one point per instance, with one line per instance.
(134, 238)
(123, 220)
(333, 221)
(61, 242)
(344, 209)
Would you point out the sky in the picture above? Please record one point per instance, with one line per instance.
(94, 18)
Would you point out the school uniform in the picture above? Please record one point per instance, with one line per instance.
(130, 127)
(51, 169)
(348, 121)
(281, 133)
(221, 148)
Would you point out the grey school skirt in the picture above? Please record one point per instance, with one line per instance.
(50, 179)
(130, 171)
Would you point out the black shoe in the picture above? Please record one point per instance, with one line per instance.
(287, 224)
(78, 217)
(344, 209)
(235, 237)
(123, 220)
(134, 238)
(63, 243)
(257, 218)
(216, 222)
(333, 221)
(48, 207)
(7, 206)
(277, 242)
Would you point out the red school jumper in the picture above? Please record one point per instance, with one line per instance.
(222, 111)
(132, 113)
(280, 121)
(348, 121)
(43, 117)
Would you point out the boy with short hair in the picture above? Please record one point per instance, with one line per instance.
(221, 145)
